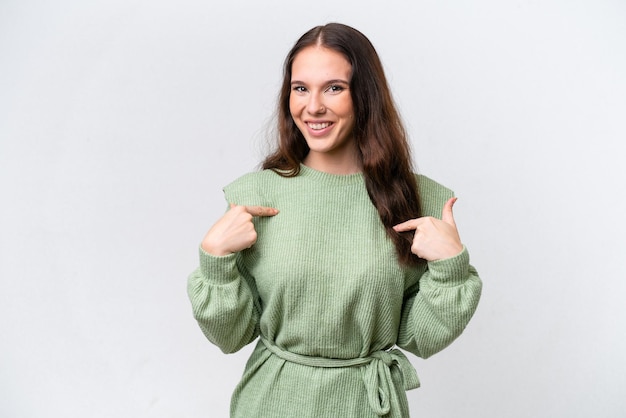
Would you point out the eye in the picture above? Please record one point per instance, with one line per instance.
(299, 89)
(335, 88)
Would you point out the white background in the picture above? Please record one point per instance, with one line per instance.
(121, 120)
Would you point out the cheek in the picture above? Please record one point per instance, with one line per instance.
(346, 108)
(294, 105)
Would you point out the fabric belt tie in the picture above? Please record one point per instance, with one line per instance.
(377, 373)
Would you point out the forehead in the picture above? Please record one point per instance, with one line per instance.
(319, 63)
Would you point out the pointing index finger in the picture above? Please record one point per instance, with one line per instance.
(406, 226)
(261, 210)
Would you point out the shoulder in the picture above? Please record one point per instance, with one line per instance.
(433, 195)
(249, 189)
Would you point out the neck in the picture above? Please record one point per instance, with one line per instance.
(341, 164)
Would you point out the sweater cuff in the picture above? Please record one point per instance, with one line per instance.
(218, 269)
(449, 272)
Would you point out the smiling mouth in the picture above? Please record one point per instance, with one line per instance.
(319, 126)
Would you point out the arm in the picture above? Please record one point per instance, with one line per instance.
(223, 294)
(439, 306)
(437, 313)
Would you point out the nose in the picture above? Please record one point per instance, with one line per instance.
(315, 104)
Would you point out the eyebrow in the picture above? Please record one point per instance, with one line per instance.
(335, 81)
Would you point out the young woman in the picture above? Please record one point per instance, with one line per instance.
(335, 252)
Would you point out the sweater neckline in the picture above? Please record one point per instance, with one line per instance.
(328, 178)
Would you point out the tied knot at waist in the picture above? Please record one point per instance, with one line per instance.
(381, 371)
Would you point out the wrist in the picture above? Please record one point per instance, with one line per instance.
(213, 249)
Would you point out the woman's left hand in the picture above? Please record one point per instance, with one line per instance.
(434, 239)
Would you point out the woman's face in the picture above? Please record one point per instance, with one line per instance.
(321, 105)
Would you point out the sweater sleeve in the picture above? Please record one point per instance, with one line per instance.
(437, 311)
(224, 301)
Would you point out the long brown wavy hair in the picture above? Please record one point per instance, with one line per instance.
(381, 139)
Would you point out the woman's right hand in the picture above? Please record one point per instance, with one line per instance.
(234, 231)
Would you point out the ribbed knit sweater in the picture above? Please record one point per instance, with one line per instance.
(323, 289)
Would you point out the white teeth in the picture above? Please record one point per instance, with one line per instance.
(318, 126)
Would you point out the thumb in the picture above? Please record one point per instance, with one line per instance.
(446, 213)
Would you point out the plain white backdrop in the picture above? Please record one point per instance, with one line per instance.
(121, 120)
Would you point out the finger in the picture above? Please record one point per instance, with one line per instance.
(446, 213)
(406, 226)
(261, 210)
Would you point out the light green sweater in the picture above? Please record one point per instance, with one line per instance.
(323, 288)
